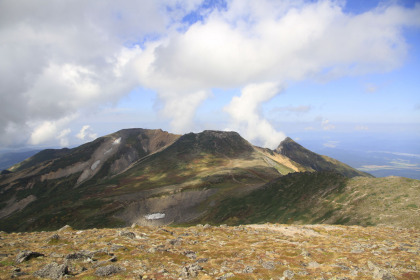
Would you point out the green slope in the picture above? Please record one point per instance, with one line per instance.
(325, 197)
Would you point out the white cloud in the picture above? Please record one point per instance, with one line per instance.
(255, 43)
(62, 58)
(49, 130)
(326, 125)
(247, 118)
(54, 66)
(64, 141)
(43, 132)
(86, 133)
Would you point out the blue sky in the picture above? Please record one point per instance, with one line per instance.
(318, 70)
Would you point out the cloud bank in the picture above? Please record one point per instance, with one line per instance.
(63, 58)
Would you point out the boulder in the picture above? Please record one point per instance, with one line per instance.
(52, 271)
(108, 270)
(26, 255)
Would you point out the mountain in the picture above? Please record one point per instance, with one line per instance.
(8, 159)
(152, 177)
(315, 162)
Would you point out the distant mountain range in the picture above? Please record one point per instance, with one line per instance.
(8, 159)
(152, 177)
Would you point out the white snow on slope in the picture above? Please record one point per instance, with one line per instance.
(95, 164)
(155, 216)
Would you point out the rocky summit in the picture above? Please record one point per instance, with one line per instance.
(255, 251)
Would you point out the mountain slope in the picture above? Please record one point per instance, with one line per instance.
(325, 197)
(305, 157)
(148, 177)
(189, 176)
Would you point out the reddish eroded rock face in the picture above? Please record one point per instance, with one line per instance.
(217, 252)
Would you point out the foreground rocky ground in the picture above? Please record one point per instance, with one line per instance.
(267, 251)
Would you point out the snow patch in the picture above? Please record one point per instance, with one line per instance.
(117, 141)
(95, 164)
(155, 216)
(108, 151)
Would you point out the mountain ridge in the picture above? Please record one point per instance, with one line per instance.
(153, 177)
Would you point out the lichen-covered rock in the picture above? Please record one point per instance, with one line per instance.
(268, 265)
(128, 234)
(83, 254)
(190, 270)
(108, 270)
(248, 269)
(26, 255)
(52, 271)
(288, 274)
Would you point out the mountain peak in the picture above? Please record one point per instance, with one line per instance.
(229, 143)
(316, 162)
(286, 142)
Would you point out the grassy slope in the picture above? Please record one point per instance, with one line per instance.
(325, 198)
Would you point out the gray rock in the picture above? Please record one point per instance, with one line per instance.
(26, 255)
(53, 238)
(52, 271)
(313, 264)
(175, 242)
(248, 269)
(108, 270)
(190, 270)
(190, 254)
(116, 247)
(288, 274)
(268, 265)
(80, 255)
(128, 234)
(382, 274)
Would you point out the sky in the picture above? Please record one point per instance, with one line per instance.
(71, 71)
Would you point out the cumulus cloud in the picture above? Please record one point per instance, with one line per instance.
(269, 42)
(247, 118)
(86, 133)
(47, 130)
(60, 58)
